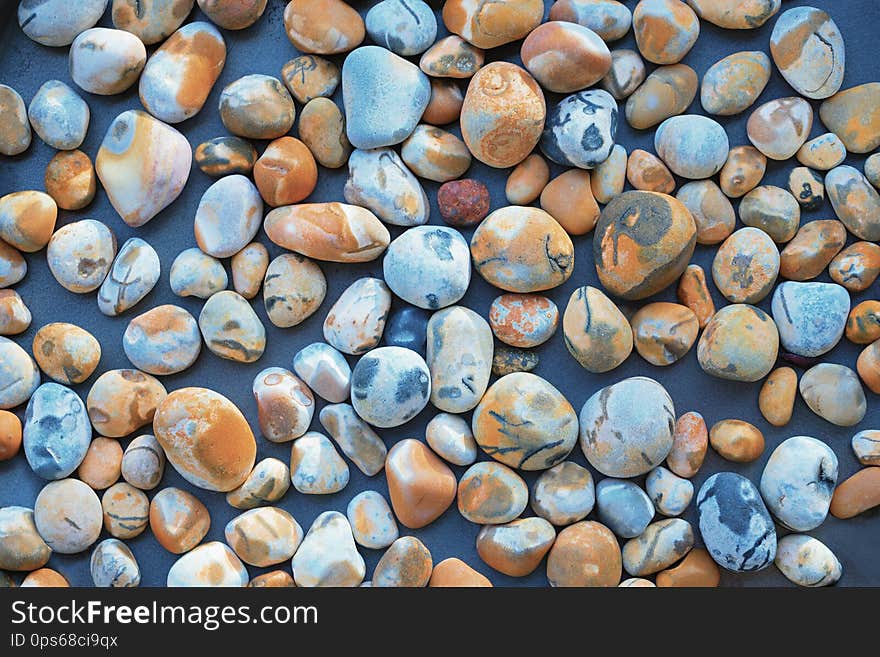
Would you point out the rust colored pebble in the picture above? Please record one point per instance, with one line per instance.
(868, 366)
(517, 548)
(854, 115)
(274, 579)
(690, 441)
(664, 332)
(527, 180)
(27, 220)
(420, 485)
(445, 104)
(323, 27)
(863, 323)
(647, 172)
(737, 440)
(812, 249)
(454, 572)
(569, 199)
(10, 435)
(776, 399)
(697, 569)
(102, 464)
(565, 57)
(585, 554)
(322, 129)
(286, 172)
(743, 171)
(463, 203)
(45, 578)
(70, 180)
(856, 267)
(179, 521)
(489, 24)
(665, 30)
(523, 320)
(857, 494)
(693, 291)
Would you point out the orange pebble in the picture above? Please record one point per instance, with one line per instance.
(10, 435)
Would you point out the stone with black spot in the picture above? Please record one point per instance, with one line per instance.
(390, 386)
(581, 129)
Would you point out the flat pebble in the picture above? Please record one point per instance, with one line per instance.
(565, 56)
(132, 276)
(233, 15)
(667, 92)
(210, 564)
(80, 255)
(490, 493)
(507, 360)
(690, 440)
(664, 332)
(56, 432)
(780, 127)
(435, 154)
(811, 317)
(610, 19)
(126, 511)
(224, 156)
(517, 548)
(13, 267)
(564, 494)
(228, 216)
(733, 84)
(777, 396)
(380, 181)
(285, 173)
(693, 292)
(231, 328)
(267, 483)
(452, 57)
(196, 274)
(322, 129)
(693, 146)
(855, 201)
(257, 107)
(293, 289)
(658, 547)
(584, 554)
(308, 77)
(807, 561)
(450, 436)
(19, 375)
(264, 537)
(328, 555)
(665, 30)
(626, 74)
(857, 494)
(325, 27)
(106, 62)
(406, 563)
(102, 464)
(21, 546)
(740, 343)
(59, 116)
(10, 435)
(285, 405)
(489, 25)
(420, 485)
(405, 27)
(151, 21)
(15, 316)
(670, 494)
(834, 393)
(15, 131)
(56, 22)
(178, 520)
(812, 249)
(164, 340)
(143, 462)
(372, 522)
(737, 440)
(609, 178)
(697, 569)
(316, 467)
(324, 370)
(463, 203)
(68, 515)
(596, 333)
(112, 564)
(743, 171)
(581, 129)
(746, 265)
(390, 386)
(713, 213)
(454, 572)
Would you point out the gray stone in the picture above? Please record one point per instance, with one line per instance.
(405, 27)
(164, 340)
(866, 445)
(113, 565)
(231, 328)
(19, 375)
(623, 507)
(692, 146)
(809, 51)
(564, 494)
(380, 181)
(807, 561)
(670, 494)
(855, 201)
(811, 317)
(316, 467)
(328, 555)
(196, 274)
(834, 393)
(659, 546)
(372, 522)
(459, 357)
(134, 273)
(56, 432)
(58, 22)
(15, 130)
(59, 116)
(451, 437)
(355, 323)
(355, 438)
(324, 370)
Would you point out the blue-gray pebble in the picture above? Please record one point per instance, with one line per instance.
(734, 523)
(581, 129)
(811, 317)
(59, 116)
(407, 327)
(56, 432)
(623, 507)
(405, 27)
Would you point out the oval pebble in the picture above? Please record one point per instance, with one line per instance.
(68, 515)
(667, 92)
(106, 62)
(231, 328)
(56, 432)
(59, 116)
(489, 25)
(857, 494)
(420, 485)
(664, 332)
(57, 23)
(285, 173)
(609, 178)
(853, 116)
(267, 483)
(21, 546)
(834, 393)
(80, 255)
(806, 561)
(565, 56)
(132, 276)
(581, 129)
(27, 220)
(126, 511)
(491, 494)
(855, 201)
(224, 156)
(693, 292)
(809, 51)
(737, 440)
(407, 327)
(740, 343)
(777, 396)
(746, 265)
(112, 564)
(150, 21)
(390, 386)
(773, 210)
(584, 554)
(249, 269)
(596, 333)
(811, 317)
(459, 357)
(355, 323)
(19, 375)
(257, 107)
(372, 522)
(856, 267)
(406, 563)
(406, 27)
(523, 320)
(162, 341)
(450, 436)
(197, 274)
(733, 84)
(143, 462)
(780, 127)
(527, 180)
(564, 494)
(228, 216)
(285, 405)
(324, 370)
(743, 171)
(121, 401)
(670, 494)
(178, 520)
(713, 213)
(690, 440)
(812, 249)
(609, 19)
(322, 130)
(15, 131)
(293, 289)
(264, 537)
(693, 146)
(102, 464)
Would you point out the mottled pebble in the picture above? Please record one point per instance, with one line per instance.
(693, 146)
(285, 405)
(733, 84)
(420, 485)
(355, 438)
(15, 131)
(667, 92)
(308, 77)
(659, 546)
(151, 21)
(21, 547)
(626, 74)
(293, 289)
(487, 24)
(196, 274)
(372, 522)
(257, 107)
(264, 537)
(80, 255)
(113, 565)
(452, 57)
(19, 375)
(564, 494)
(812, 249)
(773, 210)
(584, 554)
(834, 393)
(224, 156)
(405, 27)
(59, 116)
(670, 494)
(822, 153)
(490, 493)
(807, 187)
(106, 62)
(523, 320)
(406, 563)
(746, 265)
(164, 340)
(121, 401)
(665, 30)
(126, 511)
(210, 564)
(712, 211)
(56, 432)
(596, 333)
(463, 203)
(328, 555)
(143, 462)
(743, 171)
(390, 386)
(507, 360)
(809, 51)
(855, 201)
(231, 328)
(322, 130)
(451, 437)
(810, 316)
(740, 343)
(609, 178)
(267, 483)
(664, 332)
(780, 127)
(581, 129)
(693, 292)
(459, 357)
(178, 520)
(807, 561)
(646, 172)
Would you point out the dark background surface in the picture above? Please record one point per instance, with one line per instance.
(264, 48)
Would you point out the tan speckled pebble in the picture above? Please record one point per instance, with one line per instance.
(584, 554)
(527, 180)
(102, 464)
(737, 440)
(178, 520)
(776, 399)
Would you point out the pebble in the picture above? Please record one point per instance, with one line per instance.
(134, 273)
(581, 129)
(564, 494)
(503, 115)
(489, 25)
(459, 357)
(693, 292)
(152, 21)
(405, 27)
(833, 392)
(379, 181)
(105, 61)
(773, 210)
(626, 74)
(293, 289)
(267, 483)
(866, 446)
(445, 103)
(740, 343)
(664, 332)
(736, 14)
(178, 520)
(102, 464)
(27, 220)
(855, 201)
(780, 127)
(372, 522)
(324, 370)
(452, 57)
(113, 565)
(15, 317)
(670, 494)
(697, 569)
(646, 172)
(523, 320)
(285, 405)
(371, 120)
(667, 92)
(596, 333)
(13, 267)
(450, 436)
(435, 154)
(19, 376)
(197, 274)
(68, 515)
(733, 84)
(506, 422)
(610, 19)
(454, 572)
(188, 425)
(355, 323)
(807, 187)
(15, 131)
(324, 27)
(233, 15)
(810, 316)
(316, 467)
(613, 430)
(45, 578)
(584, 554)
(565, 57)
(328, 555)
(390, 386)
(143, 462)
(857, 494)
(10, 435)
(637, 582)
(863, 324)
(734, 523)
(568, 198)
(609, 178)
(286, 173)
(126, 511)
(665, 30)
(210, 564)
(507, 360)
(822, 153)
(517, 548)
(743, 171)
(56, 22)
(225, 156)
(249, 269)
(264, 537)
(121, 401)
(420, 485)
(491, 494)
(21, 547)
(229, 214)
(693, 146)
(406, 563)
(70, 180)
(59, 116)
(257, 107)
(658, 547)
(807, 561)
(809, 51)
(812, 249)
(163, 340)
(777, 396)
(746, 265)
(322, 129)
(690, 440)
(56, 433)
(231, 328)
(713, 213)
(80, 255)
(179, 76)
(868, 367)
(463, 203)
(737, 440)
(407, 327)
(660, 239)
(334, 232)
(273, 579)
(143, 165)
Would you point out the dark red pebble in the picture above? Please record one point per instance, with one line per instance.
(463, 203)
(800, 361)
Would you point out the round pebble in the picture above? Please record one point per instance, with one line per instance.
(581, 129)
(746, 265)
(106, 62)
(59, 116)
(257, 107)
(463, 203)
(122, 401)
(665, 30)
(10, 435)
(126, 511)
(143, 462)
(102, 464)
(372, 522)
(196, 274)
(224, 156)
(523, 320)
(664, 332)
(70, 180)
(733, 84)
(231, 328)
(811, 317)
(293, 289)
(390, 386)
(406, 563)
(264, 537)
(833, 392)
(80, 255)
(646, 172)
(740, 343)
(806, 561)
(693, 146)
(113, 565)
(68, 515)
(713, 213)
(780, 127)
(737, 440)
(450, 436)
(743, 171)
(667, 92)
(568, 198)
(405, 27)
(178, 520)
(584, 554)
(491, 494)
(27, 220)
(452, 57)
(596, 333)
(863, 323)
(773, 210)
(285, 173)
(564, 494)
(164, 340)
